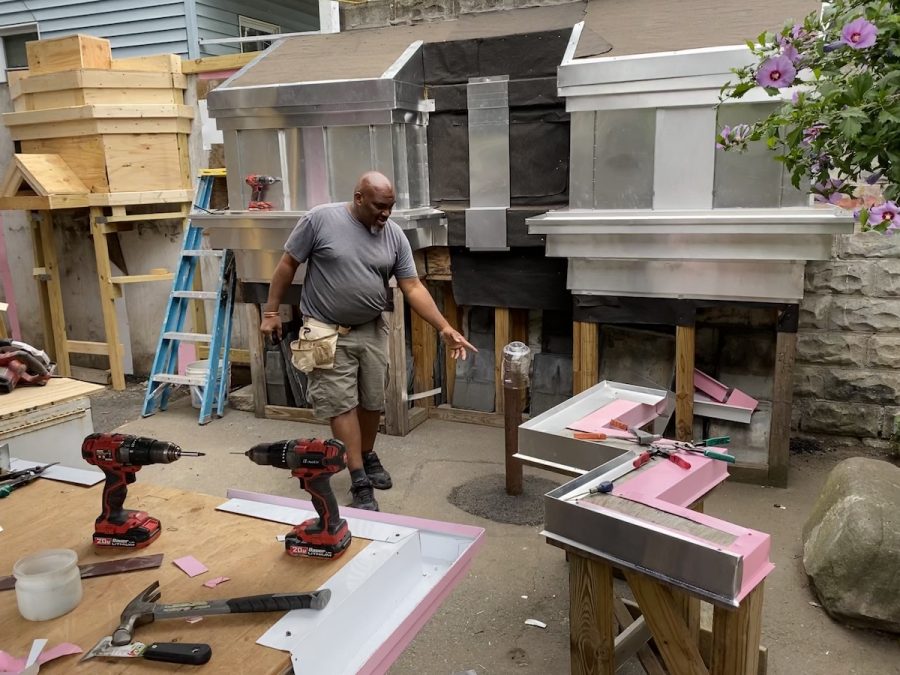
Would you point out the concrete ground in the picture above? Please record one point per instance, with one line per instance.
(516, 576)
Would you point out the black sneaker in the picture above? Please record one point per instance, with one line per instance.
(380, 479)
(363, 496)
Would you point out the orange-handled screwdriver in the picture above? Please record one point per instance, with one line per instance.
(641, 459)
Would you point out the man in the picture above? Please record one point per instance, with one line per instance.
(351, 251)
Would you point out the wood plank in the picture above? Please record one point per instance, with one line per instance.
(257, 348)
(107, 301)
(95, 79)
(157, 63)
(140, 162)
(95, 375)
(239, 357)
(502, 337)
(512, 418)
(585, 356)
(448, 414)
(93, 127)
(591, 618)
(684, 382)
(50, 175)
(57, 390)
(437, 262)
(37, 248)
(54, 292)
(782, 402)
(417, 416)
(85, 156)
(191, 526)
(736, 635)
(452, 315)
(645, 655)
(142, 217)
(70, 52)
(185, 196)
(396, 415)
(142, 278)
(87, 347)
(209, 64)
(671, 635)
(424, 354)
(289, 414)
(98, 112)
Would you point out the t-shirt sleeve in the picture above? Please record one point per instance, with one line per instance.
(300, 242)
(404, 265)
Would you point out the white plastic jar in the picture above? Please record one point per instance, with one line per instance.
(48, 584)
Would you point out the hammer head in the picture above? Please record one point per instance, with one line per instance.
(136, 613)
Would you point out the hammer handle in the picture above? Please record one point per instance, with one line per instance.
(269, 602)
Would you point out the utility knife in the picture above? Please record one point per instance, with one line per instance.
(171, 652)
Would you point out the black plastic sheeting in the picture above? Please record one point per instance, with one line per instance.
(518, 279)
(516, 229)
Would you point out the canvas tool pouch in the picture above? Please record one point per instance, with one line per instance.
(316, 345)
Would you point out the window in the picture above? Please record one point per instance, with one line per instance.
(253, 27)
(13, 39)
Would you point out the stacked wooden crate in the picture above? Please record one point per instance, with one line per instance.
(120, 125)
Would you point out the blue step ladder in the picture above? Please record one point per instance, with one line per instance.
(212, 386)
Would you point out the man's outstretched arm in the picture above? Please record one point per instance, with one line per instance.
(422, 303)
(281, 281)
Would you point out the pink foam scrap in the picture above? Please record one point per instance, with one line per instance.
(631, 413)
(12, 664)
(671, 484)
(212, 583)
(190, 566)
(710, 386)
(741, 400)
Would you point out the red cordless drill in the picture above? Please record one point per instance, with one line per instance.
(258, 186)
(313, 461)
(120, 457)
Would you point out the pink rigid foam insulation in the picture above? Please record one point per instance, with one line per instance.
(630, 413)
(710, 386)
(739, 399)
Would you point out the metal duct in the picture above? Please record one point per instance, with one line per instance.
(488, 103)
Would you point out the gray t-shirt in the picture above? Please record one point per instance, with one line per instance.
(348, 267)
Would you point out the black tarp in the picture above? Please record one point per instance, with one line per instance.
(519, 278)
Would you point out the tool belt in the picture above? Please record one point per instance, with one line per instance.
(316, 345)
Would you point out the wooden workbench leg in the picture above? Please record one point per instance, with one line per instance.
(585, 356)
(591, 617)
(424, 353)
(671, 634)
(684, 382)
(502, 337)
(51, 291)
(396, 410)
(782, 397)
(736, 635)
(257, 348)
(108, 294)
(452, 314)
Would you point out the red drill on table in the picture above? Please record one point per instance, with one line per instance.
(258, 186)
(120, 457)
(313, 461)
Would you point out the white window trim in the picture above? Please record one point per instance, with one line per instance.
(256, 24)
(14, 29)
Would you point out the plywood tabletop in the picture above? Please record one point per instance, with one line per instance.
(49, 514)
(27, 397)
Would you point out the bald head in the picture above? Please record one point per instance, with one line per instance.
(373, 200)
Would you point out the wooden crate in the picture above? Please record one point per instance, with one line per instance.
(68, 53)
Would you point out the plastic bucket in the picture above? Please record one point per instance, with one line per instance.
(201, 368)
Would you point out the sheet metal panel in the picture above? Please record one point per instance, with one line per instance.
(488, 102)
(259, 152)
(581, 160)
(624, 147)
(684, 160)
(486, 229)
(349, 155)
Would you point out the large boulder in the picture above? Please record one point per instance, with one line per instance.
(851, 544)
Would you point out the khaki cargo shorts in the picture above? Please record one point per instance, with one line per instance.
(359, 374)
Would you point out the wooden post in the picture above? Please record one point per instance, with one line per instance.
(591, 617)
(585, 356)
(424, 353)
(502, 334)
(257, 348)
(108, 294)
(53, 313)
(684, 382)
(451, 313)
(396, 413)
(735, 637)
(782, 401)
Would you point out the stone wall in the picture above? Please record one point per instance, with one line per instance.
(392, 12)
(847, 388)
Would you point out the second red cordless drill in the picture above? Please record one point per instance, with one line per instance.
(313, 461)
(120, 457)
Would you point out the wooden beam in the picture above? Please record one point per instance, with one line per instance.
(451, 313)
(210, 64)
(671, 635)
(502, 335)
(87, 347)
(448, 414)
(142, 217)
(736, 635)
(684, 382)
(37, 246)
(782, 402)
(107, 301)
(396, 413)
(512, 418)
(424, 354)
(585, 356)
(287, 413)
(142, 278)
(645, 655)
(257, 348)
(591, 618)
(54, 292)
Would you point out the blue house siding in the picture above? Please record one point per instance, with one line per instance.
(219, 19)
(133, 27)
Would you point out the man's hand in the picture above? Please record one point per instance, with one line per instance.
(271, 328)
(456, 343)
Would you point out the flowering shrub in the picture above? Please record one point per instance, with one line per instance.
(841, 126)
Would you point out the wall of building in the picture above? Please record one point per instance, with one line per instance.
(220, 18)
(848, 363)
(390, 12)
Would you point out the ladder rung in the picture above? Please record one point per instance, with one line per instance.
(180, 379)
(203, 252)
(196, 295)
(187, 337)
